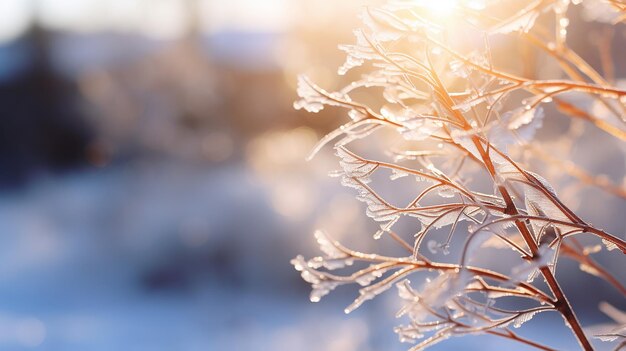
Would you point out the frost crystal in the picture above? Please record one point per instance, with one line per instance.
(524, 317)
(517, 126)
(353, 166)
(396, 174)
(357, 54)
(313, 98)
(610, 246)
(320, 282)
(434, 294)
(328, 246)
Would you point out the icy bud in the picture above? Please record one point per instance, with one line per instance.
(524, 317)
(435, 294)
(328, 246)
(320, 282)
(312, 96)
(374, 290)
(353, 166)
(357, 53)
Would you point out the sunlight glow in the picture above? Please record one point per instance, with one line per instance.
(247, 15)
(439, 8)
(442, 9)
(160, 19)
(14, 18)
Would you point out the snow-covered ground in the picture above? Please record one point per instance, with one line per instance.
(155, 257)
(170, 256)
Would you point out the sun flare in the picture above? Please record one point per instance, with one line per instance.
(443, 9)
(440, 8)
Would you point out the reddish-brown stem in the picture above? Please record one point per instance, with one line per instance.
(510, 335)
(418, 264)
(563, 306)
(400, 241)
(561, 302)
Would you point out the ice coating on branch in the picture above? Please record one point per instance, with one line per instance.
(355, 174)
(524, 317)
(526, 117)
(357, 53)
(330, 263)
(447, 191)
(537, 199)
(528, 271)
(397, 174)
(516, 126)
(540, 198)
(414, 124)
(445, 332)
(323, 282)
(368, 278)
(442, 108)
(374, 290)
(353, 166)
(347, 133)
(442, 217)
(465, 140)
(378, 78)
(356, 115)
(313, 98)
(419, 129)
(320, 282)
(408, 333)
(328, 246)
(335, 255)
(610, 335)
(610, 332)
(434, 294)
(610, 246)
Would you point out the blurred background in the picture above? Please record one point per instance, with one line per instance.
(153, 186)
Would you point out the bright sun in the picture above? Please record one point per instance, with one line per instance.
(440, 8)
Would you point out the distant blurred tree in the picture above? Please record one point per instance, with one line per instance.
(42, 127)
